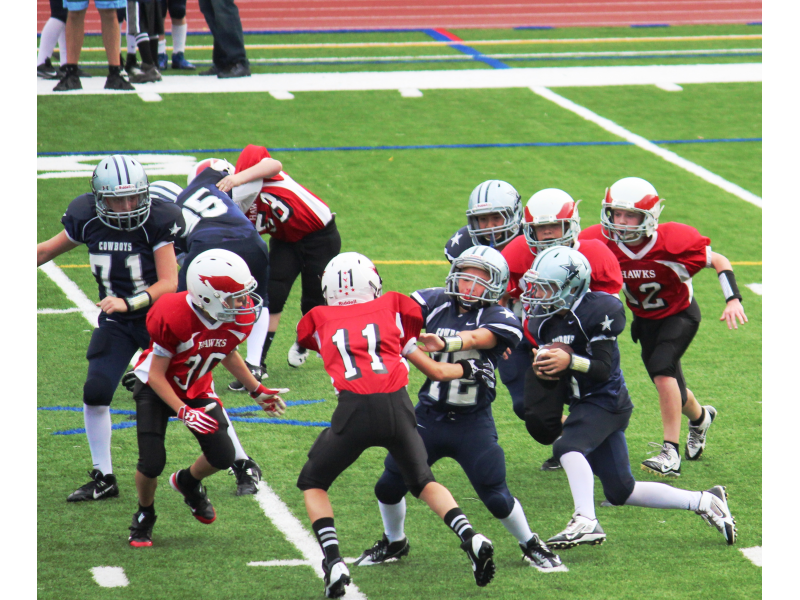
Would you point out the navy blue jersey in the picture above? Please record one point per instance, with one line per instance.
(210, 214)
(595, 317)
(460, 241)
(442, 317)
(123, 262)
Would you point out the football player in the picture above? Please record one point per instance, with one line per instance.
(302, 230)
(588, 377)
(550, 219)
(658, 262)
(130, 239)
(191, 332)
(365, 337)
(462, 322)
(214, 221)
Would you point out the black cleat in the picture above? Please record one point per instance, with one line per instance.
(539, 555)
(248, 476)
(258, 372)
(142, 529)
(99, 488)
(551, 464)
(196, 499)
(237, 70)
(46, 70)
(68, 83)
(383, 551)
(147, 74)
(213, 71)
(480, 552)
(115, 81)
(336, 578)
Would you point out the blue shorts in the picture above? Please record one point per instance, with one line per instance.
(76, 5)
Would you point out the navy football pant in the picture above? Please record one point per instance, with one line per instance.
(222, 18)
(600, 436)
(110, 351)
(512, 374)
(470, 440)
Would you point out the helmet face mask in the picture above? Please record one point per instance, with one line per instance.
(350, 278)
(557, 280)
(491, 263)
(551, 206)
(633, 195)
(496, 198)
(120, 177)
(220, 284)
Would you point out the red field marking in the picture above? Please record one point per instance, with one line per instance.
(285, 15)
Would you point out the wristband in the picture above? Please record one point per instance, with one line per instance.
(466, 366)
(729, 288)
(452, 343)
(580, 364)
(138, 301)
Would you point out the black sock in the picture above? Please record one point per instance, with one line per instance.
(186, 480)
(71, 69)
(699, 419)
(154, 48)
(150, 510)
(114, 69)
(326, 536)
(267, 344)
(130, 61)
(674, 445)
(459, 523)
(144, 50)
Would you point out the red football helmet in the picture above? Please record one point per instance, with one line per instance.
(218, 164)
(635, 195)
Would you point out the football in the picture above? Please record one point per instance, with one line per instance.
(543, 351)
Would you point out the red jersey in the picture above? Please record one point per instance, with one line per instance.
(283, 209)
(658, 274)
(193, 344)
(362, 345)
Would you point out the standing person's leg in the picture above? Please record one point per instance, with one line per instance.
(208, 8)
(286, 263)
(110, 28)
(177, 14)
(230, 37)
(74, 29)
(53, 31)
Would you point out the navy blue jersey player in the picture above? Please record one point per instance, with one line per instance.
(462, 322)
(587, 376)
(130, 240)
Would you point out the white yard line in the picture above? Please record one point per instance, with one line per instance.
(56, 311)
(754, 554)
(283, 519)
(644, 144)
(754, 287)
(109, 576)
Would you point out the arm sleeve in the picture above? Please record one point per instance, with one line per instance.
(601, 359)
(244, 195)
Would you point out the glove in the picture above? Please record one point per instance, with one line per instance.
(269, 400)
(129, 381)
(479, 371)
(197, 420)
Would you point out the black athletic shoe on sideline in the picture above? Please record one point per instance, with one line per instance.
(196, 499)
(336, 578)
(383, 551)
(46, 70)
(237, 70)
(68, 83)
(213, 71)
(142, 529)
(115, 81)
(551, 464)
(480, 552)
(248, 476)
(258, 372)
(100, 487)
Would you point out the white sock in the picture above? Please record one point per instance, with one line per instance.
(162, 46)
(660, 495)
(394, 517)
(237, 445)
(51, 32)
(581, 482)
(179, 37)
(517, 524)
(97, 420)
(62, 46)
(255, 342)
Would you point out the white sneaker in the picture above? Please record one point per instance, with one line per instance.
(714, 510)
(666, 464)
(697, 435)
(297, 355)
(580, 530)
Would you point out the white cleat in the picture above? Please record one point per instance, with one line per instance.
(696, 441)
(666, 464)
(297, 355)
(580, 530)
(714, 510)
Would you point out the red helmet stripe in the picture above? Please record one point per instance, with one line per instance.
(566, 211)
(222, 283)
(647, 202)
(528, 216)
(608, 199)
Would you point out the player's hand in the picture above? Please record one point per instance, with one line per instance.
(269, 400)
(227, 183)
(553, 362)
(110, 305)
(197, 420)
(430, 342)
(734, 310)
(129, 380)
(479, 371)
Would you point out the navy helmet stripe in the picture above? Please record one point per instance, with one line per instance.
(125, 164)
(119, 175)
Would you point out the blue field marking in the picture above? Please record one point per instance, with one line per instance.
(475, 54)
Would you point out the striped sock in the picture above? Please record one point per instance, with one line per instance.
(459, 523)
(326, 536)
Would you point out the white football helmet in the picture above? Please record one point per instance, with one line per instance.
(165, 190)
(218, 164)
(350, 278)
(120, 176)
(494, 197)
(559, 277)
(636, 195)
(217, 280)
(481, 257)
(548, 206)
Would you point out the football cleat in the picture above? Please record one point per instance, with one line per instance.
(714, 510)
(383, 551)
(100, 487)
(666, 464)
(237, 70)
(580, 530)
(258, 372)
(161, 61)
(696, 441)
(115, 81)
(297, 355)
(213, 71)
(196, 499)
(480, 552)
(179, 62)
(336, 578)
(46, 70)
(248, 476)
(67, 83)
(62, 70)
(148, 74)
(142, 529)
(538, 554)
(551, 464)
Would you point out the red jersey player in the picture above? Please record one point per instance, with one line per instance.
(658, 262)
(365, 338)
(303, 234)
(191, 332)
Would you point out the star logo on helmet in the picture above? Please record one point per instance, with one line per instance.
(572, 270)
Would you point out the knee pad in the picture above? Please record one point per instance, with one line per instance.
(98, 391)
(222, 458)
(177, 9)
(390, 488)
(152, 455)
(618, 493)
(542, 432)
(561, 447)
(489, 480)
(278, 294)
